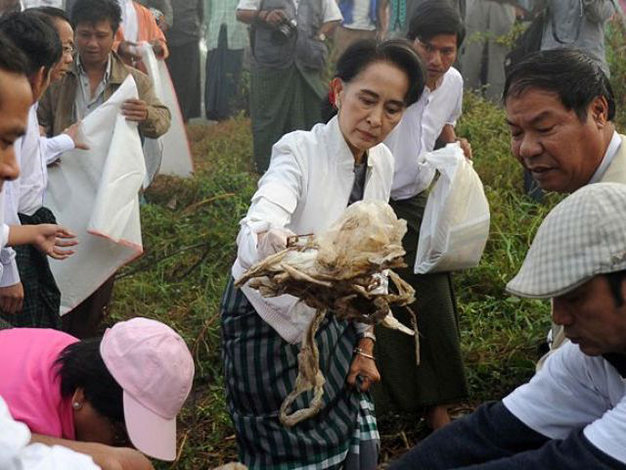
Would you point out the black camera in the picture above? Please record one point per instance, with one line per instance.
(286, 29)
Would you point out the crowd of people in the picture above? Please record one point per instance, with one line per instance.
(72, 399)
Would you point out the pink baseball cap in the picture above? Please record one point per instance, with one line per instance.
(154, 367)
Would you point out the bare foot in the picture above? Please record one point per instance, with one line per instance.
(437, 417)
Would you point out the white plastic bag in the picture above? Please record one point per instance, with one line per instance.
(455, 227)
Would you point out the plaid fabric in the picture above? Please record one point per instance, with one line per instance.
(42, 298)
(260, 369)
(440, 377)
(584, 235)
(281, 101)
(4, 325)
(222, 13)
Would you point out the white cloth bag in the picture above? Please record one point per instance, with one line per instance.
(95, 194)
(455, 226)
(173, 145)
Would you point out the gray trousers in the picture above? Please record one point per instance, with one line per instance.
(486, 21)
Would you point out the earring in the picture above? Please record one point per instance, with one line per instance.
(76, 405)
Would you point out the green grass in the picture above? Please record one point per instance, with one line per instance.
(190, 228)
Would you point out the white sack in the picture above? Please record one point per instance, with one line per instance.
(175, 147)
(95, 194)
(455, 227)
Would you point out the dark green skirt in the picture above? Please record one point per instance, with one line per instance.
(260, 369)
(42, 298)
(440, 377)
(282, 101)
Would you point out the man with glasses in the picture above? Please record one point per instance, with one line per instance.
(436, 31)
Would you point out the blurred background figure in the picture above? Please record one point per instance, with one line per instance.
(162, 11)
(482, 61)
(401, 11)
(138, 25)
(362, 19)
(226, 39)
(578, 24)
(290, 54)
(9, 6)
(42, 3)
(183, 39)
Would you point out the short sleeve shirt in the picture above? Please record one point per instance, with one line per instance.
(574, 391)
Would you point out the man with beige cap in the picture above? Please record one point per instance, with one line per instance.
(572, 414)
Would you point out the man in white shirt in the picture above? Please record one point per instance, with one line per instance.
(572, 413)
(437, 32)
(30, 297)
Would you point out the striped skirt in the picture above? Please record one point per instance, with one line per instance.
(260, 370)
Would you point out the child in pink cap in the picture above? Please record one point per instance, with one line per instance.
(128, 385)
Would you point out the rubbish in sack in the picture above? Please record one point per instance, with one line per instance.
(455, 226)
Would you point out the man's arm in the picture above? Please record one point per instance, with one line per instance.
(107, 457)
(383, 19)
(490, 433)
(156, 118)
(448, 136)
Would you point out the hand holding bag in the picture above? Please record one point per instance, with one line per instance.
(455, 227)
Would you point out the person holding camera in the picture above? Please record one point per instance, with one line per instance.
(289, 53)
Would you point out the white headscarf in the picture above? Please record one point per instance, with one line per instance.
(130, 26)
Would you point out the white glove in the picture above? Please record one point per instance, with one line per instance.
(272, 241)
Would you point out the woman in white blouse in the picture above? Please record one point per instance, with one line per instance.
(313, 176)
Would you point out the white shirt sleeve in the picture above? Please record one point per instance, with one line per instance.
(5, 235)
(249, 4)
(17, 454)
(457, 110)
(10, 274)
(53, 147)
(273, 203)
(331, 11)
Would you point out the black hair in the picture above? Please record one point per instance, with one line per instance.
(570, 73)
(12, 59)
(434, 17)
(37, 38)
(49, 12)
(398, 52)
(81, 365)
(615, 280)
(95, 11)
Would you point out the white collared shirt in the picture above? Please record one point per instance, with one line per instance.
(305, 189)
(419, 129)
(611, 151)
(35, 154)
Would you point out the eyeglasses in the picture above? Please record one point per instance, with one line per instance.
(69, 49)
